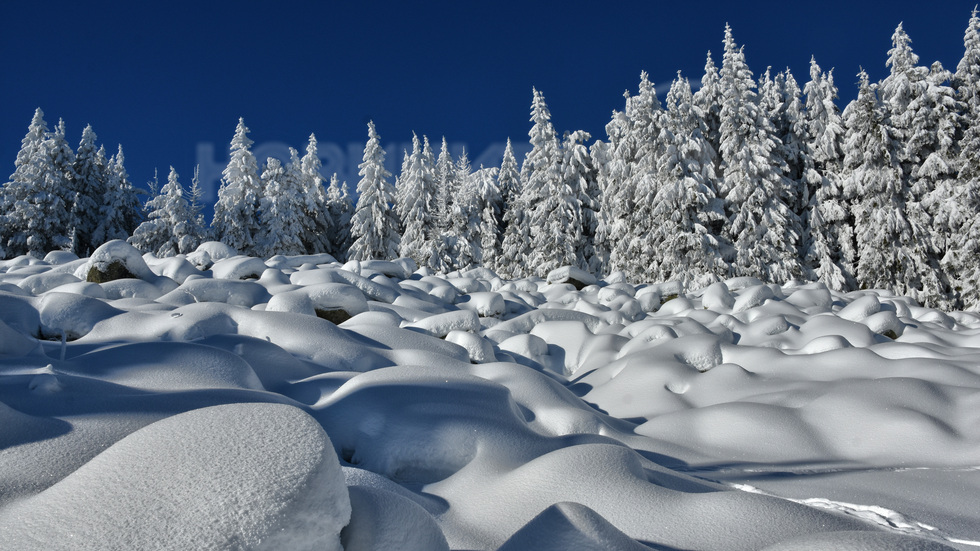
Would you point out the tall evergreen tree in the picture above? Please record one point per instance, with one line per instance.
(17, 195)
(489, 207)
(962, 258)
(37, 200)
(829, 253)
(341, 209)
(282, 204)
(236, 214)
(888, 254)
(89, 189)
(374, 226)
(120, 212)
(416, 204)
(554, 214)
(509, 182)
(579, 176)
(317, 224)
(682, 244)
(763, 228)
(169, 226)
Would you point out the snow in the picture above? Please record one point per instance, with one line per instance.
(192, 409)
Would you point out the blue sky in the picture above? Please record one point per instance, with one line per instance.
(167, 80)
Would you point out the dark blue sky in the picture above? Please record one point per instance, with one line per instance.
(165, 79)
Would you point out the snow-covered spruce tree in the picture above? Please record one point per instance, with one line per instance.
(196, 222)
(374, 226)
(630, 206)
(236, 214)
(89, 188)
(341, 209)
(462, 234)
(708, 100)
(933, 184)
(416, 195)
(888, 254)
(169, 226)
(317, 223)
(829, 253)
(913, 115)
(555, 215)
(683, 244)
(447, 185)
(282, 209)
(18, 194)
(120, 212)
(509, 182)
(579, 176)
(489, 207)
(962, 259)
(516, 233)
(37, 200)
(781, 102)
(763, 228)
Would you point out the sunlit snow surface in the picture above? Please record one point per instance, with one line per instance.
(192, 408)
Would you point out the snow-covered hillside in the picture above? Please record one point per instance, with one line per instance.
(217, 401)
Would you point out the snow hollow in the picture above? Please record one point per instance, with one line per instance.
(220, 401)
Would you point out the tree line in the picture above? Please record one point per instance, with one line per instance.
(745, 176)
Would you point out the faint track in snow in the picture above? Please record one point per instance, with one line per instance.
(880, 516)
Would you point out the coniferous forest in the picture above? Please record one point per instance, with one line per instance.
(738, 175)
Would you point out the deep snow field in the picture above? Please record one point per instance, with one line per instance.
(206, 404)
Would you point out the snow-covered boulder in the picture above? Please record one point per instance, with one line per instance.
(114, 260)
(238, 267)
(209, 252)
(336, 302)
(570, 274)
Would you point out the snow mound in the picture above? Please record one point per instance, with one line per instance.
(382, 521)
(566, 526)
(251, 476)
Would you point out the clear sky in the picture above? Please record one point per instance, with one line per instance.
(168, 80)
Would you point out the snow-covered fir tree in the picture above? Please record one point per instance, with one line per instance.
(89, 188)
(341, 209)
(763, 228)
(169, 228)
(416, 203)
(829, 253)
(685, 212)
(19, 193)
(489, 207)
(637, 154)
(962, 259)
(317, 223)
(236, 214)
(462, 232)
(508, 181)
(888, 254)
(36, 203)
(579, 176)
(282, 205)
(374, 225)
(708, 100)
(554, 212)
(120, 212)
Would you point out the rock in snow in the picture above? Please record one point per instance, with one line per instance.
(184, 407)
